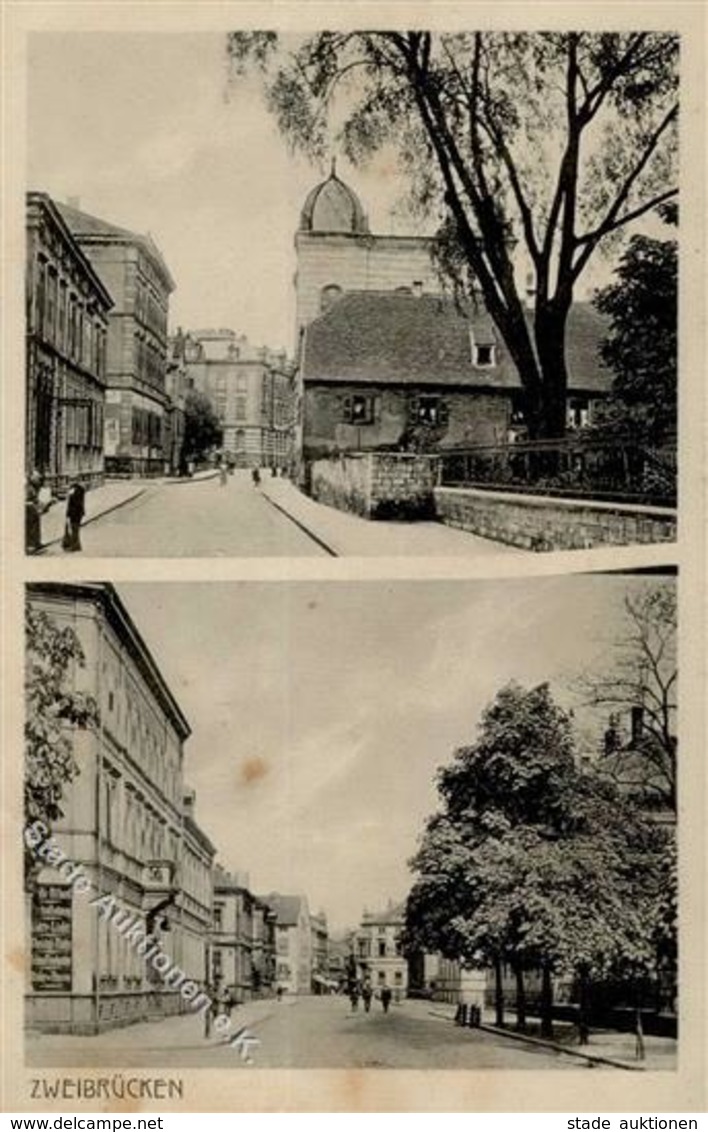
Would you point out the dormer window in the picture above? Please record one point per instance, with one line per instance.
(483, 354)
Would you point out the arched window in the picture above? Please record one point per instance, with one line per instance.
(329, 296)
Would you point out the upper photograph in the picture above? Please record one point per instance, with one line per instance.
(350, 293)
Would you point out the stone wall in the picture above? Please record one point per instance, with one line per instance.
(543, 523)
(377, 485)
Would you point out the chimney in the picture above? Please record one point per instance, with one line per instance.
(74, 202)
(417, 288)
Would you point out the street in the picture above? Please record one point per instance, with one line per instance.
(204, 518)
(312, 1032)
(196, 519)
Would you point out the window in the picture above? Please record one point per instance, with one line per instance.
(241, 382)
(218, 917)
(484, 354)
(329, 296)
(398, 977)
(359, 409)
(382, 949)
(240, 408)
(578, 413)
(429, 410)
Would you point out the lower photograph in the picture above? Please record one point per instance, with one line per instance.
(339, 824)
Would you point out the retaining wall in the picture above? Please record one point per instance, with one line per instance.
(543, 523)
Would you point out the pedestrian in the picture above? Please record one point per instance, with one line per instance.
(211, 991)
(354, 997)
(75, 511)
(33, 513)
(256, 477)
(279, 994)
(385, 998)
(367, 994)
(222, 474)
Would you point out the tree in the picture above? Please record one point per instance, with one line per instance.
(642, 682)
(202, 430)
(556, 141)
(531, 861)
(641, 347)
(53, 711)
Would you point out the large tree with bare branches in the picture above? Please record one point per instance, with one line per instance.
(557, 140)
(642, 675)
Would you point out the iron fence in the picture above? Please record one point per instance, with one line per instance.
(612, 470)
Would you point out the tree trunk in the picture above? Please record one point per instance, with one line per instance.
(584, 1008)
(498, 993)
(520, 998)
(548, 413)
(546, 1003)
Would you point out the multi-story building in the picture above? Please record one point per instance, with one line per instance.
(293, 942)
(320, 953)
(132, 269)
(128, 823)
(263, 952)
(386, 361)
(177, 385)
(378, 951)
(67, 326)
(232, 938)
(251, 390)
(243, 939)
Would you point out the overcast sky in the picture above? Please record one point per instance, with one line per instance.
(146, 132)
(140, 128)
(320, 711)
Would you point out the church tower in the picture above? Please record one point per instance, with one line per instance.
(336, 252)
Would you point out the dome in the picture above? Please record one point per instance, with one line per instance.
(333, 207)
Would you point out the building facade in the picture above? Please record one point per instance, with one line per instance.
(243, 939)
(293, 942)
(132, 269)
(129, 824)
(387, 362)
(378, 951)
(251, 390)
(321, 982)
(67, 327)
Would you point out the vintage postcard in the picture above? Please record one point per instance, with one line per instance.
(354, 558)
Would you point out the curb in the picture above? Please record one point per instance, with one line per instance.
(298, 523)
(93, 518)
(592, 1058)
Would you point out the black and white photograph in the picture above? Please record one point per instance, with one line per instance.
(351, 293)
(421, 288)
(353, 825)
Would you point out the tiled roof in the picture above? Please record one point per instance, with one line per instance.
(390, 337)
(286, 908)
(85, 226)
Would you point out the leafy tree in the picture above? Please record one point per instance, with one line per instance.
(642, 677)
(532, 862)
(554, 141)
(202, 430)
(53, 711)
(641, 347)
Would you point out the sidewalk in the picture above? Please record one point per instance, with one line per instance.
(606, 1047)
(344, 534)
(183, 1031)
(108, 497)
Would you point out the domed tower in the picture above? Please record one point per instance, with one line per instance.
(332, 207)
(336, 252)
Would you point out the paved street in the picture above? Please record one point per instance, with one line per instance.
(203, 518)
(308, 1033)
(198, 519)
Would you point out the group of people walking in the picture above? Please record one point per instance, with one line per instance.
(365, 992)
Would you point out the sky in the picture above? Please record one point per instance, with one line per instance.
(321, 711)
(145, 131)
